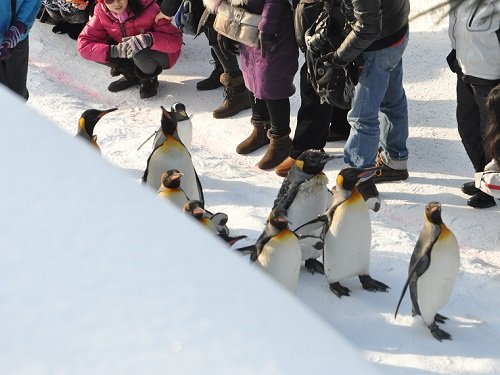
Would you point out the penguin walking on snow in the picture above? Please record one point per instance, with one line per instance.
(277, 250)
(347, 235)
(87, 123)
(170, 188)
(184, 127)
(172, 154)
(215, 223)
(433, 269)
(305, 195)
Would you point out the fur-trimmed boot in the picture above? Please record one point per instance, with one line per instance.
(149, 82)
(278, 150)
(257, 139)
(129, 79)
(236, 97)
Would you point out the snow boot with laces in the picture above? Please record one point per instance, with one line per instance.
(236, 97)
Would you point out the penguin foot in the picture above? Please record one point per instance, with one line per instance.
(438, 333)
(314, 266)
(438, 318)
(372, 285)
(339, 290)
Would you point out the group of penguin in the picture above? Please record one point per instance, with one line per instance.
(307, 221)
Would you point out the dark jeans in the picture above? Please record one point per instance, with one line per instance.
(314, 119)
(14, 70)
(472, 118)
(147, 61)
(277, 111)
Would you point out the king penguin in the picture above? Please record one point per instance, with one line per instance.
(170, 188)
(433, 269)
(215, 223)
(87, 123)
(305, 195)
(184, 127)
(277, 250)
(347, 234)
(172, 154)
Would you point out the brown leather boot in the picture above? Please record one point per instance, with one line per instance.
(277, 151)
(283, 169)
(235, 96)
(256, 139)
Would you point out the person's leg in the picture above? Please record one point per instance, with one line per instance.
(235, 92)
(14, 70)
(261, 123)
(281, 144)
(148, 65)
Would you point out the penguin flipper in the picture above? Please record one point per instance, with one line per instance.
(250, 249)
(200, 189)
(231, 240)
(418, 269)
(312, 225)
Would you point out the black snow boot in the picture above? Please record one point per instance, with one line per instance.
(129, 79)
(149, 83)
(213, 81)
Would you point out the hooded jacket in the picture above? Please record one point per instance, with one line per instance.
(474, 31)
(104, 29)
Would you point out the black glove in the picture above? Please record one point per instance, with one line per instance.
(268, 43)
(451, 59)
(228, 46)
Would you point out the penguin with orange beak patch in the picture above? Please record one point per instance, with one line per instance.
(277, 250)
(170, 188)
(87, 123)
(433, 269)
(347, 234)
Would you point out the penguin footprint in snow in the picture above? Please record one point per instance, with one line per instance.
(87, 123)
(215, 223)
(431, 277)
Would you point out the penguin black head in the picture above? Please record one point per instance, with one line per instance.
(312, 161)
(278, 218)
(433, 212)
(171, 179)
(195, 209)
(350, 176)
(179, 110)
(89, 119)
(168, 122)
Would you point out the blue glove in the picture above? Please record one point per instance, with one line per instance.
(137, 43)
(14, 34)
(118, 51)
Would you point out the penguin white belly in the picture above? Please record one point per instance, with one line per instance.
(185, 131)
(348, 241)
(434, 286)
(173, 155)
(177, 197)
(281, 259)
(311, 200)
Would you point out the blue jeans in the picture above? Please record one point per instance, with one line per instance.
(379, 114)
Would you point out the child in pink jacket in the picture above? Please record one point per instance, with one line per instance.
(123, 35)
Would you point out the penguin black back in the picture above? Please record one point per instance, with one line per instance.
(308, 164)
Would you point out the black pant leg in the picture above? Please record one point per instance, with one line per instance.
(472, 118)
(14, 70)
(279, 113)
(313, 119)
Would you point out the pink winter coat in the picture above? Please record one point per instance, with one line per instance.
(102, 27)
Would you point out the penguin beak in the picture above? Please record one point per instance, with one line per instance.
(327, 158)
(283, 219)
(176, 176)
(368, 171)
(198, 211)
(106, 112)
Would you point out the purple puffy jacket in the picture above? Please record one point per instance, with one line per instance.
(102, 27)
